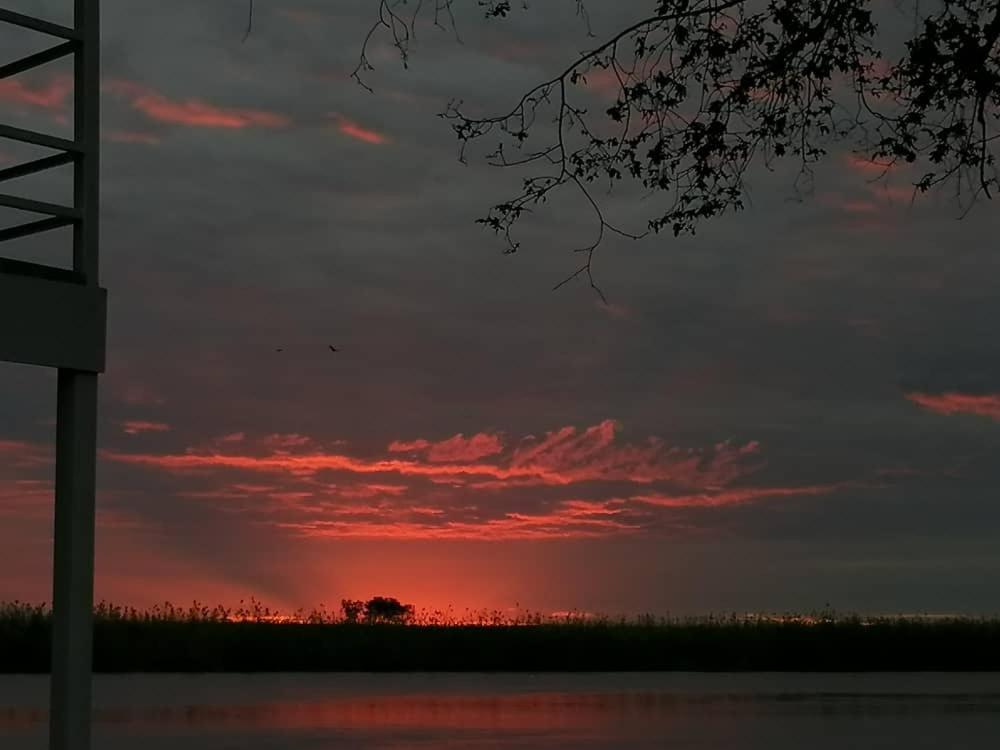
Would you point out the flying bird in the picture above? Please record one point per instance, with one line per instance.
(279, 350)
(333, 348)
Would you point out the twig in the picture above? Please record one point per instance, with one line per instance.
(249, 24)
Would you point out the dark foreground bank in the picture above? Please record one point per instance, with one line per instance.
(221, 646)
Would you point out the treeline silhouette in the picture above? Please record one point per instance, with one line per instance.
(254, 638)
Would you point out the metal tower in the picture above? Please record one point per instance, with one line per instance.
(54, 317)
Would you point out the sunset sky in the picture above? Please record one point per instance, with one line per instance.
(800, 406)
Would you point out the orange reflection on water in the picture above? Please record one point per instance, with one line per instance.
(536, 711)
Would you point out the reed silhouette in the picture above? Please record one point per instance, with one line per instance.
(255, 638)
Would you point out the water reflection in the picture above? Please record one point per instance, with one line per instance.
(539, 711)
(469, 711)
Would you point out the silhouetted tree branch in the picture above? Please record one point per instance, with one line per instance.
(706, 88)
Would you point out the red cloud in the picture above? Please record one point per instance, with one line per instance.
(25, 480)
(26, 498)
(456, 448)
(358, 132)
(563, 457)
(18, 454)
(460, 448)
(570, 519)
(193, 112)
(136, 394)
(409, 446)
(593, 455)
(433, 493)
(137, 427)
(283, 442)
(868, 166)
(108, 518)
(735, 496)
(559, 524)
(951, 402)
(370, 490)
(52, 96)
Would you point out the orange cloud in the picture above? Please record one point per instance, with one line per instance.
(193, 112)
(52, 96)
(137, 427)
(358, 132)
(952, 402)
(563, 457)
(456, 448)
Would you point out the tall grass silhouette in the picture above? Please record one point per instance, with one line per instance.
(252, 637)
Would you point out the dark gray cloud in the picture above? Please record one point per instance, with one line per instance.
(798, 324)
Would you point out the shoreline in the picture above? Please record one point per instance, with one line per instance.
(904, 646)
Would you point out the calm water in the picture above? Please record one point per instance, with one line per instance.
(544, 712)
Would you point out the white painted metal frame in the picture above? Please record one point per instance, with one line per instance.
(56, 317)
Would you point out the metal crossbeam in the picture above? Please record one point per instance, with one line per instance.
(37, 271)
(34, 227)
(38, 165)
(37, 24)
(38, 207)
(37, 59)
(38, 139)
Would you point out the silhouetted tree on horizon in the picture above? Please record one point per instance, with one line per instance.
(387, 610)
(704, 89)
(352, 609)
(379, 610)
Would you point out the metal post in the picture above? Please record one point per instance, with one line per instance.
(76, 438)
(87, 125)
(73, 563)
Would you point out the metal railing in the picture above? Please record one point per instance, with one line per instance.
(62, 324)
(80, 43)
